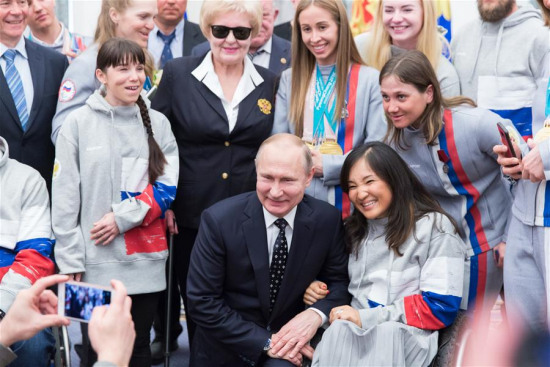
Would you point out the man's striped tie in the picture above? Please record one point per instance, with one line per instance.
(16, 88)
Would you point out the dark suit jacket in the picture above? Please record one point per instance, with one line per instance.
(280, 54)
(228, 281)
(214, 163)
(192, 36)
(284, 30)
(34, 147)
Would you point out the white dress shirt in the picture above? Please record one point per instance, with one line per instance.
(155, 45)
(262, 59)
(250, 79)
(22, 65)
(273, 231)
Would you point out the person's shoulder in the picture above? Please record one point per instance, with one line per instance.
(191, 25)
(280, 42)
(473, 115)
(320, 208)
(24, 174)
(266, 74)
(201, 49)
(369, 72)
(51, 57)
(227, 208)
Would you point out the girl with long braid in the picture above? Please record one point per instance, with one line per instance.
(115, 176)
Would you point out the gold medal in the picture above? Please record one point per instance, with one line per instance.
(330, 147)
(543, 133)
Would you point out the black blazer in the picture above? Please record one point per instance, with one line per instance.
(284, 30)
(192, 36)
(280, 54)
(214, 163)
(228, 281)
(34, 147)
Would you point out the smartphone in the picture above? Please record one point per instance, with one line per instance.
(506, 140)
(76, 300)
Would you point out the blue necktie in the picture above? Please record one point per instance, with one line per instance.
(16, 88)
(166, 52)
(278, 263)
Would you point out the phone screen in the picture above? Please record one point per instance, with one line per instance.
(506, 140)
(77, 300)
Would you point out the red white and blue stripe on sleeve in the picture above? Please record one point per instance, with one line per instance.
(30, 258)
(157, 196)
(441, 293)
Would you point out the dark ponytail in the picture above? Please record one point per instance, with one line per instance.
(157, 160)
(120, 51)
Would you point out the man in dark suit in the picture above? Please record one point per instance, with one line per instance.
(266, 49)
(255, 255)
(173, 36)
(29, 85)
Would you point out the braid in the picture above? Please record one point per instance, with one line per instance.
(157, 160)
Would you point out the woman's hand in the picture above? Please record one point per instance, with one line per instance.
(533, 168)
(510, 166)
(105, 230)
(345, 313)
(316, 291)
(170, 218)
(317, 158)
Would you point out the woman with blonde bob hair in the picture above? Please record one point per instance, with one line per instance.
(336, 103)
(220, 106)
(408, 25)
(129, 19)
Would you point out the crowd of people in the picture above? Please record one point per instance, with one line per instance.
(314, 183)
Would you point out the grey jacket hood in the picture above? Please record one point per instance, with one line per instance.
(518, 17)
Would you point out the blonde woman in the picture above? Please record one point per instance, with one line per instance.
(336, 103)
(130, 19)
(401, 25)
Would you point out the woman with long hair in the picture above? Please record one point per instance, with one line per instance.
(129, 19)
(526, 267)
(329, 98)
(448, 143)
(115, 175)
(406, 267)
(401, 25)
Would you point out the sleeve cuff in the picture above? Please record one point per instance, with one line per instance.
(324, 317)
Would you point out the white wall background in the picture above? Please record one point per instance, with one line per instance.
(83, 13)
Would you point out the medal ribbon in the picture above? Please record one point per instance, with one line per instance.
(322, 99)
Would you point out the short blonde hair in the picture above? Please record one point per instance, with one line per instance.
(429, 41)
(213, 8)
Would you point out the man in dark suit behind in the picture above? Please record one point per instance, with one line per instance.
(170, 20)
(245, 313)
(266, 49)
(34, 75)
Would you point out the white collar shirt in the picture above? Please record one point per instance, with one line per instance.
(250, 79)
(22, 65)
(273, 231)
(262, 56)
(156, 44)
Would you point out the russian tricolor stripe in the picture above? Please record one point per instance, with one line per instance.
(463, 186)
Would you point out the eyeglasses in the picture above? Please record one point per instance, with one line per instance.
(240, 33)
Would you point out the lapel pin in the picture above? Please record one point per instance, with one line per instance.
(283, 60)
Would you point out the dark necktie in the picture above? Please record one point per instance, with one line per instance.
(16, 87)
(278, 263)
(166, 51)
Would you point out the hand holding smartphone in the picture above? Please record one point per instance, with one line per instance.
(77, 300)
(506, 140)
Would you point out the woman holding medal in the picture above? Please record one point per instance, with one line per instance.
(526, 281)
(448, 143)
(329, 98)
